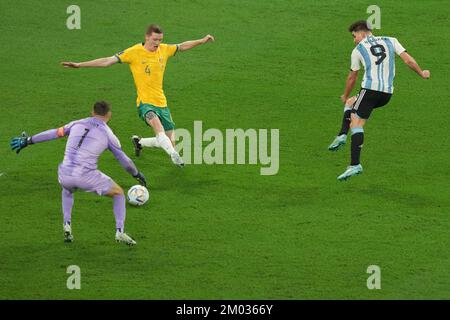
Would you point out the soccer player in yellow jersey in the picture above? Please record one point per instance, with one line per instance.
(147, 63)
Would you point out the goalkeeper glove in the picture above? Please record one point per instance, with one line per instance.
(18, 143)
(141, 178)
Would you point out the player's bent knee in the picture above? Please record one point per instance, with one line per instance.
(350, 101)
(356, 121)
(66, 192)
(115, 190)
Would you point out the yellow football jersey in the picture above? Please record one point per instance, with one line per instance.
(148, 71)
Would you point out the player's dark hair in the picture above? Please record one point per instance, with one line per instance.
(101, 108)
(361, 25)
(154, 28)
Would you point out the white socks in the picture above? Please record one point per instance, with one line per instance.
(149, 142)
(160, 141)
(165, 143)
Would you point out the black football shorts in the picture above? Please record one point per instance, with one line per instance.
(367, 100)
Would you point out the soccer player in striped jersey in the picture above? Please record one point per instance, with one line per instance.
(377, 55)
(87, 139)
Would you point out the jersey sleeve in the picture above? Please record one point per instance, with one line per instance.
(398, 48)
(116, 149)
(113, 141)
(355, 64)
(53, 133)
(65, 130)
(171, 49)
(125, 56)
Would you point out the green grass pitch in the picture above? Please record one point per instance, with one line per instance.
(224, 231)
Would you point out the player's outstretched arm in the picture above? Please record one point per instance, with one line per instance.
(350, 84)
(124, 160)
(97, 63)
(193, 43)
(129, 165)
(24, 140)
(411, 62)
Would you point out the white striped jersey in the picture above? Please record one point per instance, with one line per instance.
(377, 55)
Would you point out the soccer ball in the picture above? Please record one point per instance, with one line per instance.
(138, 195)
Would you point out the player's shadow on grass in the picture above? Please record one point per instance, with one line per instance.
(403, 197)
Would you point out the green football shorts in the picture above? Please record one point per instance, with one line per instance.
(163, 114)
